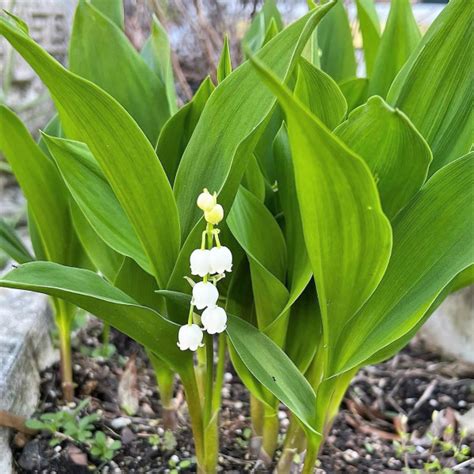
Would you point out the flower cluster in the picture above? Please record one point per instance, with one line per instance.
(209, 263)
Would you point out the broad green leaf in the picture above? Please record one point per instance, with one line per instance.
(231, 123)
(434, 88)
(320, 94)
(272, 31)
(335, 42)
(42, 186)
(255, 35)
(355, 91)
(399, 39)
(432, 240)
(11, 244)
(273, 368)
(395, 152)
(347, 236)
(369, 24)
(100, 208)
(157, 54)
(253, 179)
(103, 257)
(304, 329)
(89, 291)
(224, 68)
(100, 51)
(258, 233)
(299, 267)
(126, 157)
(112, 9)
(176, 133)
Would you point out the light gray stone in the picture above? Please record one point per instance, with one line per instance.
(25, 349)
(450, 330)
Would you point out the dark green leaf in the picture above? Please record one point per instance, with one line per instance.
(370, 28)
(11, 244)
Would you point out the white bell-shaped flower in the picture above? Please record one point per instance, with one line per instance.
(220, 260)
(206, 201)
(200, 262)
(190, 337)
(214, 320)
(204, 294)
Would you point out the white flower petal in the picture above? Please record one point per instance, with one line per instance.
(220, 259)
(204, 294)
(200, 262)
(214, 320)
(190, 337)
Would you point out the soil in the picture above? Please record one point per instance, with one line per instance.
(363, 439)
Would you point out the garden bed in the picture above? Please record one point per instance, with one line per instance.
(364, 437)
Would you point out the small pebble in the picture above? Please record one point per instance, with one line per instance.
(350, 455)
(120, 422)
(174, 459)
(462, 403)
(433, 402)
(282, 415)
(58, 448)
(160, 431)
(228, 377)
(393, 463)
(285, 423)
(238, 405)
(225, 393)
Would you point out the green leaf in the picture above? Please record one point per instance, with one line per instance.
(272, 31)
(432, 244)
(157, 54)
(18, 21)
(230, 123)
(98, 50)
(273, 368)
(126, 157)
(399, 39)
(100, 208)
(335, 42)
(304, 329)
(112, 9)
(103, 257)
(395, 152)
(435, 86)
(347, 236)
(92, 293)
(41, 185)
(253, 39)
(355, 91)
(224, 68)
(11, 244)
(176, 133)
(370, 28)
(299, 267)
(320, 94)
(254, 180)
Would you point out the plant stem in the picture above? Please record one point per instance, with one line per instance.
(64, 317)
(295, 443)
(312, 450)
(271, 427)
(256, 415)
(217, 391)
(209, 343)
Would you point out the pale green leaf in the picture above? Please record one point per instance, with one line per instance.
(100, 51)
(396, 153)
(370, 29)
(399, 39)
(320, 94)
(347, 236)
(89, 291)
(157, 54)
(435, 86)
(355, 91)
(432, 244)
(126, 157)
(335, 42)
(231, 122)
(224, 68)
(112, 9)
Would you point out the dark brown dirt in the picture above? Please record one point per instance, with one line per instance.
(413, 384)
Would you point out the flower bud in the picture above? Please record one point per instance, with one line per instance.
(190, 337)
(204, 294)
(215, 215)
(214, 320)
(200, 262)
(220, 260)
(206, 201)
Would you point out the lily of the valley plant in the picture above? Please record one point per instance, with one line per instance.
(348, 203)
